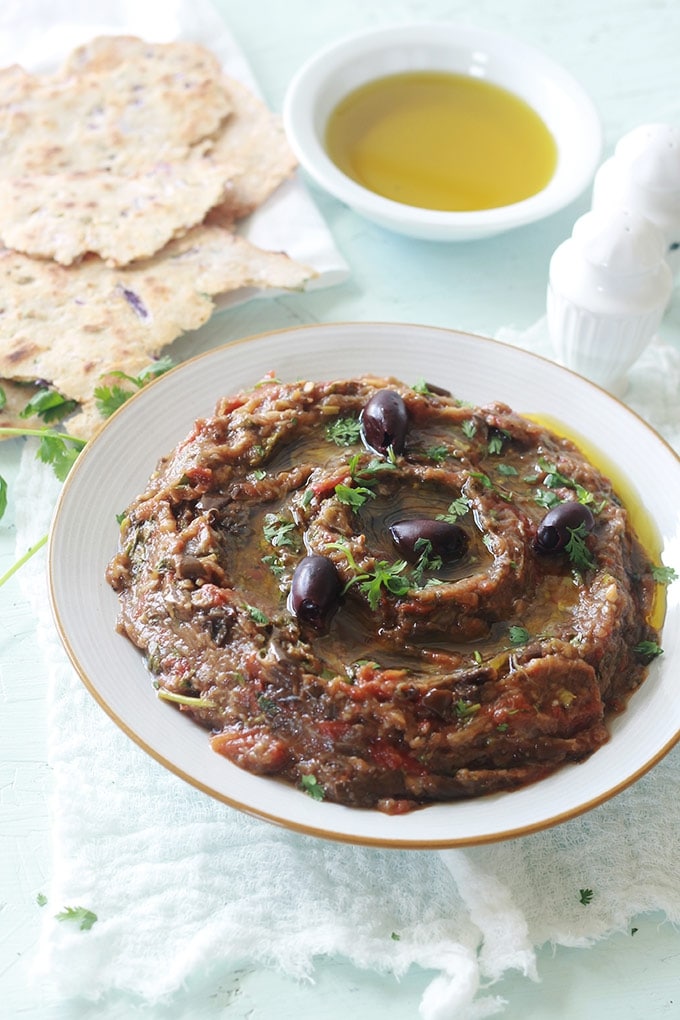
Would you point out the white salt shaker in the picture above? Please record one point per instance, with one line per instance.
(608, 288)
(643, 176)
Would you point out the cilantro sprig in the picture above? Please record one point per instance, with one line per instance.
(109, 398)
(49, 405)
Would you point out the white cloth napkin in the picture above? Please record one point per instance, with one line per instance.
(186, 890)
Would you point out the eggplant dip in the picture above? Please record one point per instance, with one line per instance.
(383, 595)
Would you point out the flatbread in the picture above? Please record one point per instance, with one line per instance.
(121, 176)
(128, 145)
(70, 326)
(256, 137)
(122, 219)
(123, 118)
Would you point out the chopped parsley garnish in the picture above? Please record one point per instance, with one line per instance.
(458, 508)
(3, 398)
(311, 785)
(664, 575)
(546, 499)
(482, 478)
(279, 532)
(509, 470)
(388, 576)
(79, 915)
(437, 453)
(554, 479)
(3, 496)
(353, 497)
(585, 896)
(385, 575)
(420, 386)
(426, 561)
(256, 615)
(518, 635)
(577, 550)
(344, 431)
(496, 439)
(41, 899)
(464, 709)
(469, 428)
(648, 649)
(275, 565)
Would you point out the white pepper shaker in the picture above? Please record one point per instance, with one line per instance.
(643, 175)
(608, 287)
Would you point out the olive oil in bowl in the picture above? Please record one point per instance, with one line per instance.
(443, 141)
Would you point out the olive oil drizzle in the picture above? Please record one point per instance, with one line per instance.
(444, 141)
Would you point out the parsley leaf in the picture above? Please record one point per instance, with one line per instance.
(469, 428)
(279, 532)
(3, 398)
(344, 431)
(353, 497)
(426, 561)
(256, 615)
(437, 453)
(48, 405)
(648, 649)
(484, 479)
(311, 785)
(585, 896)
(664, 575)
(546, 499)
(577, 550)
(83, 917)
(3, 496)
(518, 635)
(388, 576)
(496, 439)
(458, 508)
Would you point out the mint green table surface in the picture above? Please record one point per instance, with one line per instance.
(627, 54)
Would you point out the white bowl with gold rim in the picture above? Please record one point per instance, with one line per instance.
(508, 63)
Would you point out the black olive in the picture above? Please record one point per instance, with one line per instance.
(315, 591)
(449, 541)
(555, 529)
(384, 422)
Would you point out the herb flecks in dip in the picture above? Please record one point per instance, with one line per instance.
(385, 611)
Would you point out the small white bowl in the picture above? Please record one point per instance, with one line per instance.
(552, 92)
